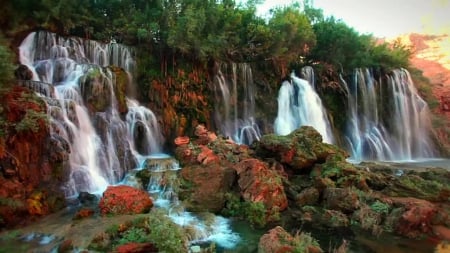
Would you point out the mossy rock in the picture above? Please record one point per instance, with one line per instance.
(300, 149)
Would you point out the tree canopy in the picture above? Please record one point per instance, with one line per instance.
(205, 29)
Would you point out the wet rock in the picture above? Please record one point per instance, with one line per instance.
(124, 199)
(134, 247)
(309, 196)
(300, 149)
(341, 199)
(258, 183)
(278, 240)
(334, 219)
(88, 199)
(84, 213)
(204, 188)
(181, 140)
(23, 73)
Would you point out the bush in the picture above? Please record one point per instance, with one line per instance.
(6, 66)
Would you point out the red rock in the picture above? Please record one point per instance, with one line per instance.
(84, 213)
(133, 247)
(207, 156)
(181, 140)
(124, 199)
(260, 184)
(417, 218)
(442, 232)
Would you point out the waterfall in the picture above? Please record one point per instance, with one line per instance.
(235, 103)
(386, 122)
(103, 147)
(163, 185)
(299, 105)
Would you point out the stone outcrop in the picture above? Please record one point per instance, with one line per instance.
(33, 164)
(124, 199)
(258, 183)
(278, 240)
(299, 150)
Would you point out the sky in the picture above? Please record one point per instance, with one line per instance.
(383, 18)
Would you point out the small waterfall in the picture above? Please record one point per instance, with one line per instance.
(389, 123)
(235, 103)
(83, 107)
(163, 185)
(299, 105)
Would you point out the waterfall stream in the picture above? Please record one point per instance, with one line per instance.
(386, 121)
(235, 103)
(108, 146)
(103, 146)
(299, 105)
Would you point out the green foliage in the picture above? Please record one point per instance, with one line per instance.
(166, 235)
(253, 212)
(31, 121)
(346, 49)
(6, 66)
(380, 207)
(11, 203)
(134, 234)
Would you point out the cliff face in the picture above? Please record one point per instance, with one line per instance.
(32, 162)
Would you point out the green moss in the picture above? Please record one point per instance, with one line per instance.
(380, 207)
(156, 228)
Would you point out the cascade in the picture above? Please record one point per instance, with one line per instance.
(299, 105)
(103, 147)
(386, 122)
(163, 185)
(235, 103)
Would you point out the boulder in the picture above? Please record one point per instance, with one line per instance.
(278, 240)
(299, 150)
(341, 199)
(203, 188)
(124, 199)
(23, 73)
(133, 247)
(258, 183)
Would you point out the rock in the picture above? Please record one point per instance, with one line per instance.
(207, 156)
(84, 213)
(203, 188)
(300, 149)
(308, 196)
(416, 218)
(124, 199)
(334, 219)
(341, 199)
(120, 88)
(133, 247)
(258, 183)
(23, 73)
(181, 140)
(87, 199)
(278, 240)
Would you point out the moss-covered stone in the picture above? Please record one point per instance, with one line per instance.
(300, 149)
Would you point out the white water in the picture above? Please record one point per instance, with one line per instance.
(387, 121)
(163, 186)
(235, 103)
(299, 105)
(102, 147)
(101, 143)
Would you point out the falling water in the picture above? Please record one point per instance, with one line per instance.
(299, 105)
(235, 103)
(163, 185)
(386, 122)
(103, 147)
